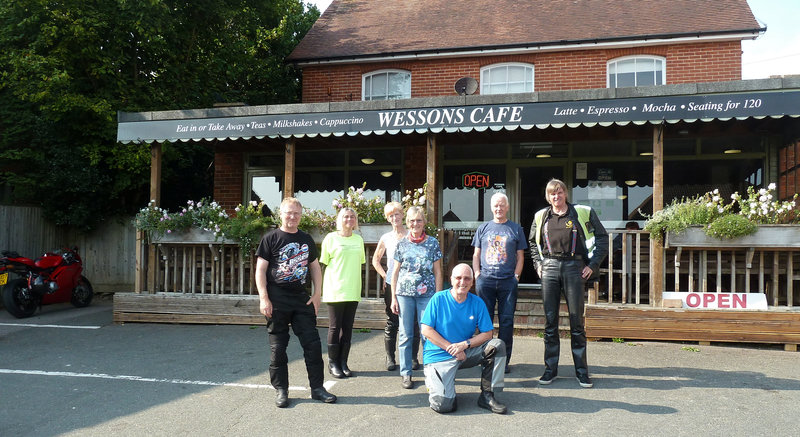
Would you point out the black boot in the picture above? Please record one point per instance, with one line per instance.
(486, 399)
(281, 398)
(320, 394)
(390, 344)
(334, 356)
(344, 353)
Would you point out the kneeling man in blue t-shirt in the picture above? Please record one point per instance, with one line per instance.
(449, 323)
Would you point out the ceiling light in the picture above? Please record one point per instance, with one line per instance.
(630, 182)
(732, 151)
(368, 161)
(386, 174)
(622, 197)
(543, 155)
(646, 154)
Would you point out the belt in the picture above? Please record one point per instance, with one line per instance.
(563, 256)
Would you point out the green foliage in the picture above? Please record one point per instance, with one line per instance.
(731, 226)
(367, 210)
(723, 220)
(248, 226)
(690, 349)
(204, 214)
(67, 67)
(317, 219)
(618, 340)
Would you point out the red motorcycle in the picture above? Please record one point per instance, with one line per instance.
(53, 278)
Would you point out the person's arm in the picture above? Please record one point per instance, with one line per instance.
(437, 274)
(536, 257)
(520, 264)
(376, 260)
(395, 274)
(264, 304)
(455, 349)
(600, 241)
(316, 282)
(476, 261)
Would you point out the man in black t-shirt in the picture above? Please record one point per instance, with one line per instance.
(286, 257)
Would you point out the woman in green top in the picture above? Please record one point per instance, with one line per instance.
(343, 254)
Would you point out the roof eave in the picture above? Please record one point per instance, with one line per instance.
(545, 46)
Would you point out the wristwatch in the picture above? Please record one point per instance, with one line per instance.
(469, 344)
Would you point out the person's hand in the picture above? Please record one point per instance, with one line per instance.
(586, 273)
(395, 306)
(461, 356)
(265, 307)
(539, 272)
(315, 301)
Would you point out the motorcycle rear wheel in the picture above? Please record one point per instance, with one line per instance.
(83, 293)
(18, 303)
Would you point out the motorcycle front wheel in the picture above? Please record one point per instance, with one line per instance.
(83, 293)
(18, 300)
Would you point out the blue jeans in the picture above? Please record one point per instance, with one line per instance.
(504, 293)
(411, 308)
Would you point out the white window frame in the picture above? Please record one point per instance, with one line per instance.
(485, 84)
(648, 58)
(371, 76)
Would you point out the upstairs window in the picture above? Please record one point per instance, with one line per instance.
(636, 71)
(507, 79)
(386, 85)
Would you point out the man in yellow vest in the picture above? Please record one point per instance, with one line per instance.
(568, 242)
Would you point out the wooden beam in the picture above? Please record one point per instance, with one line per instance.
(657, 254)
(155, 194)
(432, 193)
(288, 168)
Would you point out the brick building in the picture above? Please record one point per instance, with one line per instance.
(598, 93)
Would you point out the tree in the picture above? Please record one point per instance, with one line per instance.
(67, 67)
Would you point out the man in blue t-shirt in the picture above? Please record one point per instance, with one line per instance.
(497, 260)
(449, 323)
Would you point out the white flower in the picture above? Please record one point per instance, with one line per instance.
(720, 209)
(771, 186)
(360, 191)
(762, 191)
(420, 191)
(422, 200)
(709, 205)
(716, 191)
(715, 198)
(237, 209)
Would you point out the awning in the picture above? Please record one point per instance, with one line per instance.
(150, 127)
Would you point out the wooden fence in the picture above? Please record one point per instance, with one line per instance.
(108, 252)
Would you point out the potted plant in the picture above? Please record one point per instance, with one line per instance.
(756, 220)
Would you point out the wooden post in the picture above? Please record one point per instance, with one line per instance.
(288, 168)
(432, 193)
(155, 195)
(657, 255)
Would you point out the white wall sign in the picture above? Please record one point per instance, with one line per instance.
(720, 301)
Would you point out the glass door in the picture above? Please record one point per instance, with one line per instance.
(532, 181)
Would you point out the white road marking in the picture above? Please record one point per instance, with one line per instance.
(327, 384)
(32, 325)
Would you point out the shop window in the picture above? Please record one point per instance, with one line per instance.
(507, 79)
(386, 85)
(636, 71)
(467, 194)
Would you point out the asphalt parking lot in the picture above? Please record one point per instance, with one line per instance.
(69, 371)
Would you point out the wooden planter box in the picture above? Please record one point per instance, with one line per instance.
(766, 237)
(191, 236)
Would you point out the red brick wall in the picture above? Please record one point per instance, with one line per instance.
(686, 63)
(228, 179)
(414, 172)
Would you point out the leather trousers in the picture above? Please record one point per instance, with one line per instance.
(563, 277)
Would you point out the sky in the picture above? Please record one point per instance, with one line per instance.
(775, 52)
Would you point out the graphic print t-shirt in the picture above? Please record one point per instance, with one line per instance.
(416, 276)
(289, 256)
(499, 243)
